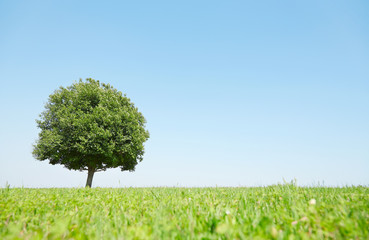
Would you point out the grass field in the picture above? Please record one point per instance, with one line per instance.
(275, 212)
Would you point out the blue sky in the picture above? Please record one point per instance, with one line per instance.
(235, 93)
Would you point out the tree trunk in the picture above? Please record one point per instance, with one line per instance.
(90, 175)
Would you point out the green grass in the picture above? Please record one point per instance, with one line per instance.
(275, 212)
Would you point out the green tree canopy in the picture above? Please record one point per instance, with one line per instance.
(91, 126)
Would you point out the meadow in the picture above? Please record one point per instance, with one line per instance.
(273, 212)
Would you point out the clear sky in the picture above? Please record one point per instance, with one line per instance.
(235, 93)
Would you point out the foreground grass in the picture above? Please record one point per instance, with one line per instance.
(279, 212)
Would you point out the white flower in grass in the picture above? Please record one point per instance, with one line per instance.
(312, 201)
(189, 199)
(227, 212)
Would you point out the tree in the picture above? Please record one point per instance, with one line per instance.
(91, 126)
